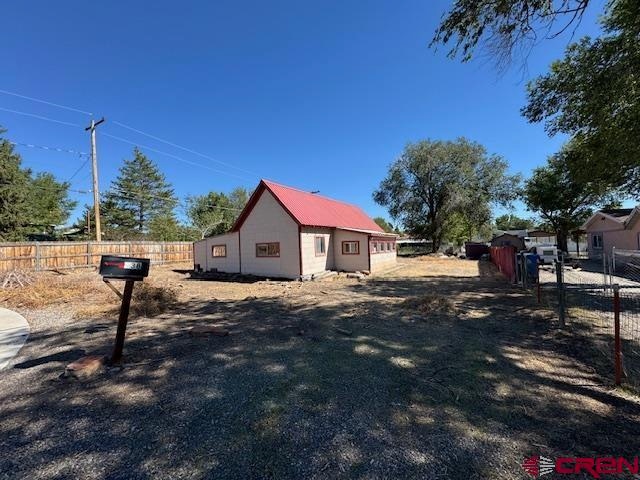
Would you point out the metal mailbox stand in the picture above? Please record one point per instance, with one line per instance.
(116, 356)
(130, 270)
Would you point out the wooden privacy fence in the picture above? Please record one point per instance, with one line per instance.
(66, 255)
(505, 259)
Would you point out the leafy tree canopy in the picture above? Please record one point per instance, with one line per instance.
(384, 225)
(593, 95)
(504, 27)
(433, 180)
(215, 212)
(508, 221)
(563, 201)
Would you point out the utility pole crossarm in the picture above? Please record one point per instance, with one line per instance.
(94, 164)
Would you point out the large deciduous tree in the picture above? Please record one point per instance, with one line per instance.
(504, 27)
(593, 95)
(563, 201)
(139, 194)
(215, 212)
(509, 221)
(433, 183)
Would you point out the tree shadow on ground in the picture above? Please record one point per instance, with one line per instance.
(408, 394)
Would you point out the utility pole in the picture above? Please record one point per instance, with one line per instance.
(94, 163)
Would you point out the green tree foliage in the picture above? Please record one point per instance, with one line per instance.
(504, 27)
(215, 212)
(14, 183)
(49, 204)
(509, 221)
(433, 180)
(29, 204)
(139, 194)
(384, 225)
(165, 228)
(593, 94)
(562, 201)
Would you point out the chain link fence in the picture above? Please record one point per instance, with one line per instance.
(598, 299)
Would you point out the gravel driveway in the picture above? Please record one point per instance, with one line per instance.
(334, 379)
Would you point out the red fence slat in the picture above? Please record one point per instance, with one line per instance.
(505, 259)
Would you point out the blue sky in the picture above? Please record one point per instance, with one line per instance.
(317, 95)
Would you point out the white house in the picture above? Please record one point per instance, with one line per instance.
(288, 233)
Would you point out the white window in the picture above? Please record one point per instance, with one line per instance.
(268, 249)
(596, 240)
(351, 247)
(320, 246)
(219, 251)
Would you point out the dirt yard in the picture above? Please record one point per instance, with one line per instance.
(437, 370)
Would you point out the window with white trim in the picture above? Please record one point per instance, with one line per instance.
(596, 240)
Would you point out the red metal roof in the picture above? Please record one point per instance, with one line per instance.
(311, 210)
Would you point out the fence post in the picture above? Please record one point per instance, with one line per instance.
(38, 257)
(613, 259)
(560, 285)
(538, 283)
(616, 328)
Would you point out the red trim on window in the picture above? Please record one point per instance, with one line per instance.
(357, 242)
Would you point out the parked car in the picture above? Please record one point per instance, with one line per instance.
(547, 253)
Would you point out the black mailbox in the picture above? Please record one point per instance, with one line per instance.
(124, 268)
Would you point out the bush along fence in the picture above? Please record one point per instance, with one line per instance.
(599, 304)
(38, 256)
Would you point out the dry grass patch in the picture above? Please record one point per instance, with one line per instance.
(48, 290)
(429, 304)
(149, 300)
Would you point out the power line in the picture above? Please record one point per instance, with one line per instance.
(79, 169)
(179, 203)
(183, 148)
(65, 107)
(180, 159)
(54, 189)
(44, 147)
(41, 117)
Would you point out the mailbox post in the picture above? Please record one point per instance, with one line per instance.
(130, 270)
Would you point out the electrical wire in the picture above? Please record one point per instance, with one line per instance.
(183, 148)
(40, 117)
(6, 92)
(44, 147)
(78, 170)
(171, 155)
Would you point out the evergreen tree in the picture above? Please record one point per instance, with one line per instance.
(139, 194)
(48, 203)
(14, 182)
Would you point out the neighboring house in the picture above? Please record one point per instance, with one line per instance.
(508, 239)
(616, 227)
(288, 233)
